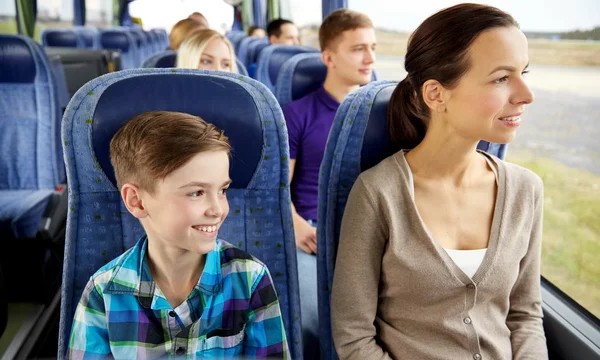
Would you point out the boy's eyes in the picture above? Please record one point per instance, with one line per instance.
(201, 192)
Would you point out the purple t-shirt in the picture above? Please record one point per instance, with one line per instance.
(308, 120)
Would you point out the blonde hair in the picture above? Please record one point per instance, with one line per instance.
(192, 48)
(181, 30)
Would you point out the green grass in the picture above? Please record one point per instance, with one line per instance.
(571, 243)
(10, 27)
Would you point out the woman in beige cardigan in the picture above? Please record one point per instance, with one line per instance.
(439, 254)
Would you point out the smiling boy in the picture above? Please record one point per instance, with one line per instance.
(180, 290)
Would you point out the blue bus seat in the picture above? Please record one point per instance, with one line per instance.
(301, 75)
(254, 49)
(244, 47)
(272, 58)
(63, 38)
(31, 164)
(358, 140)
(89, 35)
(33, 197)
(168, 59)
(125, 42)
(235, 37)
(99, 228)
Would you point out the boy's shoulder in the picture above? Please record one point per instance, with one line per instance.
(125, 266)
(230, 253)
(236, 260)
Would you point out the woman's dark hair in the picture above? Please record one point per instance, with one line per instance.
(437, 50)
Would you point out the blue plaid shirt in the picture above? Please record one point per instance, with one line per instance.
(233, 311)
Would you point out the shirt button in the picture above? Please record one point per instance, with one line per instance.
(172, 313)
(477, 357)
(471, 286)
(467, 321)
(180, 351)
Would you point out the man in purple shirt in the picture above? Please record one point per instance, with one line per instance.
(347, 40)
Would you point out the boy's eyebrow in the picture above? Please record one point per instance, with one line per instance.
(203, 184)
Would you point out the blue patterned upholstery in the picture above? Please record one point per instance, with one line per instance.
(168, 59)
(254, 49)
(301, 75)
(236, 37)
(125, 42)
(358, 141)
(31, 163)
(63, 38)
(162, 37)
(99, 227)
(272, 58)
(242, 52)
(89, 35)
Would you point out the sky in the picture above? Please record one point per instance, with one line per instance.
(400, 15)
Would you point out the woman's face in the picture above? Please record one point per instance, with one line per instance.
(489, 99)
(216, 56)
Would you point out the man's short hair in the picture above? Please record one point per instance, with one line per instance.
(339, 21)
(274, 27)
(154, 144)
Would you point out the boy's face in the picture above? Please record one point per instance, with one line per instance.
(189, 205)
(352, 56)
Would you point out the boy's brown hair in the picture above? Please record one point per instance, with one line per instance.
(154, 144)
(339, 21)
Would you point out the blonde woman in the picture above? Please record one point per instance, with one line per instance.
(181, 30)
(207, 50)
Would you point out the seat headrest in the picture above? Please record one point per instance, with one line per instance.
(279, 55)
(183, 91)
(377, 144)
(167, 61)
(63, 38)
(17, 62)
(115, 39)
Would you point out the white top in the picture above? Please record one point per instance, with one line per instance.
(467, 260)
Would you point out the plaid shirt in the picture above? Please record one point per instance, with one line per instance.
(233, 311)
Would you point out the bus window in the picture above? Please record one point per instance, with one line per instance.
(8, 16)
(558, 138)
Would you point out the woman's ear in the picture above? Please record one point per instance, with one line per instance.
(434, 95)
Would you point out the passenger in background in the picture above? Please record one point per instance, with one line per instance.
(208, 50)
(181, 291)
(256, 31)
(347, 41)
(198, 17)
(440, 244)
(280, 32)
(283, 32)
(181, 30)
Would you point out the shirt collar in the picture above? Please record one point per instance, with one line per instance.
(132, 274)
(327, 99)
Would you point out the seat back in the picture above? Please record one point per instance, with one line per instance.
(62, 38)
(123, 41)
(358, 140)
(254, 49)
(168, 59)
(301, 75)
(99, 228)
(272, 58)
(235, 37)
(242, 52)
(29, 117)
(89, 35)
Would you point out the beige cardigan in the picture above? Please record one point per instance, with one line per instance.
(398, 295)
